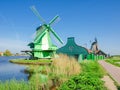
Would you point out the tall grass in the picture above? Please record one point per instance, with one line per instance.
(64, 65)
(60, 70)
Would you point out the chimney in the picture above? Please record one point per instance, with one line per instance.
(70, 40)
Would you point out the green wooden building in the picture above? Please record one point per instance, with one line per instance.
(72, 49)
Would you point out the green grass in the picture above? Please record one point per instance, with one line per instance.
(15, 85)
(31, 62)
(88, 79)
(22, 85)
(93, 67)
(114, 60)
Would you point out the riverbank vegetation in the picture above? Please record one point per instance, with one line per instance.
(6, 53)
(64, 73)
(31, 62)
(52, 76)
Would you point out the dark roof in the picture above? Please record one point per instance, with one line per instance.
(71, 48)
(100, 52)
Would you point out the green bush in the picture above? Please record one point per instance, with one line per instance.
(89, 79)
(83, 81)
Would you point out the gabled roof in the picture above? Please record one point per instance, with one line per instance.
(71, 48)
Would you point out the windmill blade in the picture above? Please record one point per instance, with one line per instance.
(53, 20)
(56, 36)
(37, 14)
(56, 40)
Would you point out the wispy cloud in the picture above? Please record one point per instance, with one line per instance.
(13, 45)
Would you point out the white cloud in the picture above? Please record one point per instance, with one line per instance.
(13, 45)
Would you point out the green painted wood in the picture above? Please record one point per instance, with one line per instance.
(72, 49)
(42, 46)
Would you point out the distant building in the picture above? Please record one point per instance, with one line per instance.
(94, 49)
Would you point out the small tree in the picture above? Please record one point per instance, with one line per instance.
(7, 53)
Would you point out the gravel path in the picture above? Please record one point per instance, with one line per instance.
(113, 71)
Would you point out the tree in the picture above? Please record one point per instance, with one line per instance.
(7, 53)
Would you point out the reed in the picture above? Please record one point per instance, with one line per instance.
(65, 66)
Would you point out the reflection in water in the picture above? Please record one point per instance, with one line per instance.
(32, 70)
(36, 74)
(10, 71)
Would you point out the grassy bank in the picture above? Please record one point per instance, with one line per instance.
(31, 62)
(22, 85)
(15, 85)
(46, 77)
(114, 60)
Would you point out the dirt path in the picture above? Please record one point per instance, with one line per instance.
(113, 71)
(109, 83)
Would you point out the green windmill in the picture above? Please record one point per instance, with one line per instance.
(42, 46)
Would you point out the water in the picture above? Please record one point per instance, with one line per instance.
(10, 71)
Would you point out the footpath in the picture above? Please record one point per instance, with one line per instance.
(112, 70)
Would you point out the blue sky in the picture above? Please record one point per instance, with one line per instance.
(82, 19)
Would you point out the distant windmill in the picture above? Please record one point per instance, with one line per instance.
(94, 46)
(42, 46)
(95, 50)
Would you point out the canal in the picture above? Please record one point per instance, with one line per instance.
(10, 71)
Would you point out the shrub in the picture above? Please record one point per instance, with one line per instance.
(83, 81)
(89, 79)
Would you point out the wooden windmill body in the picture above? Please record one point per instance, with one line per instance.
(42, 46)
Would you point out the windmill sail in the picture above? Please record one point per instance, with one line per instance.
(37, 14)
(53, 20)
(56, 36)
